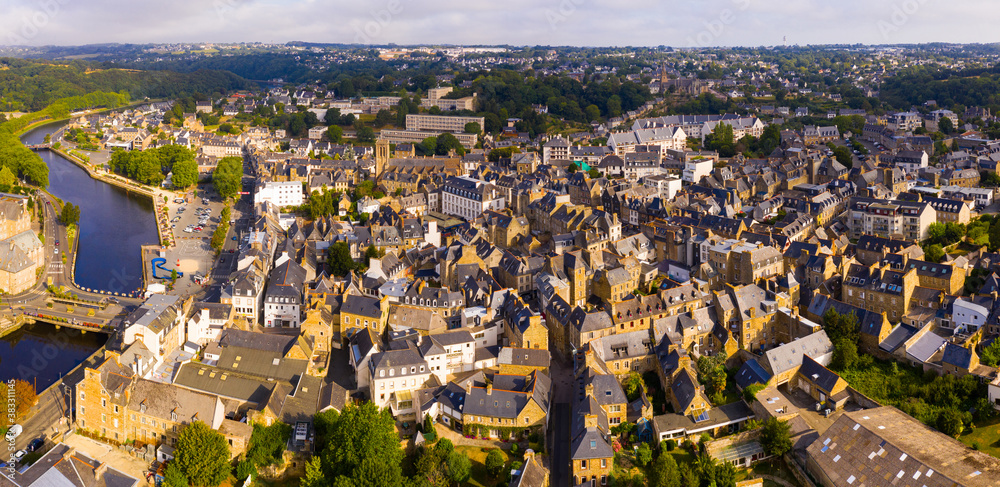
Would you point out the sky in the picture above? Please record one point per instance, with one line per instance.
(677, 23)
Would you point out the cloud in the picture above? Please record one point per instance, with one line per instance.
(516, 22)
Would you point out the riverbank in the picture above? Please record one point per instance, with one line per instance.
(127, 185)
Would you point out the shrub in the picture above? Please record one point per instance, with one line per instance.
(495, 462)
(669, 445)
(244, 468)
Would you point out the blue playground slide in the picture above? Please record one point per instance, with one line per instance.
(158, 264)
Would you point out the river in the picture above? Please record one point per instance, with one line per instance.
(40, 354)
(114, 223)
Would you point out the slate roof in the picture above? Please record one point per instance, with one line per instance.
(789, 355)
(960, 357)
(926, 346)
(899, 335)
(751, 373)
(823, 377)
(529, 357)
(362, 306)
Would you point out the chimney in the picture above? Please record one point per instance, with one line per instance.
(99, 471)
(69, 453)
(489, 388)
(529, 455)
(590, 389)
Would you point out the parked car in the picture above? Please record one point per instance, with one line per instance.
(36, 444)
(14, 432)
(18, 455)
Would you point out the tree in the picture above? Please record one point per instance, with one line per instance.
(174, 477)
(335, 133)
(750, 392)
(267, 443)
(934, 253)
(362, 448)
(24, 399)
(844, 156)
(473, 128)
(594, 173)
(219, 236)
(460, 468)
(70, 214)
(990, 356)
(7, 178)
(314, 474)
(495, 461)
(444, 447)
(446, 143)
(990, 179)
(365, 134)
(572, 168)
(643, 455)
(664, 472)
(185, 173)
(950, 422)
(430, 433)
(332, 116)
(946, 126)
(774, 437)
(228, 176)
(845, 354)
(202, 455)
(383, 118)
(339, 258)
(633, 385)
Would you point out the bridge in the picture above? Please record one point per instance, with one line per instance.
(39, 146)
(93, 324)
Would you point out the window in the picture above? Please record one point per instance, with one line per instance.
(583, 464)
(83, 395)
(104, 419)
(604, 464)
(116, 409)
(104, 402)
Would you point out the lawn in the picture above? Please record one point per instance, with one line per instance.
(479, 476)
(986, 436)
(774, 467)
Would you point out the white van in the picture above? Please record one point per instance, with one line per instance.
(14, 432)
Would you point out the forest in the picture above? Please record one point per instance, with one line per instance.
(25, 163)
(913, 86)
(30, 85)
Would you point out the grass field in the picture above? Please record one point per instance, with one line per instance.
(986, 436)
(479, 476)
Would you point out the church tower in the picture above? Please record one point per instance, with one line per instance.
(381, 157)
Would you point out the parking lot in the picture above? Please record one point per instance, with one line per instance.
(196, 213)
(193, 254)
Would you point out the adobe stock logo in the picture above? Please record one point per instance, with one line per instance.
(566, 9)
(33, 23)
(372, 29)
(716, 27)
(901, 14)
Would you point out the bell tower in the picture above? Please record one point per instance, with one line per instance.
(381, 157)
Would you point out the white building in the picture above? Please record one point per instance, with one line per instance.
(280, 194)
(283, 298)
(967, 317)
(666, 186)
(155, 324)
(468, 198)
(207, 322)
(695, 169)
(557, 148)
